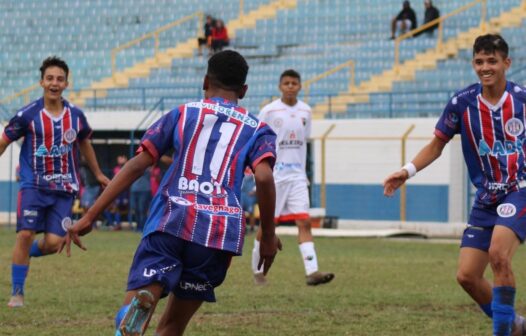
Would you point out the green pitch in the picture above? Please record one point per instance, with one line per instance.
(382, 287)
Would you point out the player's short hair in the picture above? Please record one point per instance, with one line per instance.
(53, 61)
(290, 73)
(228, 70)
(490, 44)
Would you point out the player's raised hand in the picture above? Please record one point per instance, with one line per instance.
(268, 248)
(394, 181)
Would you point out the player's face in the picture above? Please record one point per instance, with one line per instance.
(491, 68)
(54, 83)
(289, 87)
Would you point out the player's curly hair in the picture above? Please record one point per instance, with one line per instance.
(53, 61)
(290, 73)
(490, 44)
(228, 70)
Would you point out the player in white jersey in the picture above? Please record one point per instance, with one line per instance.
(290, 118)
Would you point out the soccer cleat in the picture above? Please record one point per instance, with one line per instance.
(318, 278)
(16, 301)
(519, 327)
(134, 322)
(259, 279)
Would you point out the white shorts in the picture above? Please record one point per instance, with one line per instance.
(292, 201)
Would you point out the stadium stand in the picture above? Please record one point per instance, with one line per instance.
(311, 36)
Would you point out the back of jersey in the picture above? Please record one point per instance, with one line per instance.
(213, 141)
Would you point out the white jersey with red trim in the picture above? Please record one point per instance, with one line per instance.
(292, 125)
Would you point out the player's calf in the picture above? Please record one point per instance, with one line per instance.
(137, 315)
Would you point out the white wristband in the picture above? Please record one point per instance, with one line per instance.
(411, 169)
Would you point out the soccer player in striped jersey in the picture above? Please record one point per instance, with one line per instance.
(196, 222)
(290, 118)
(54, 132)
(489, 116)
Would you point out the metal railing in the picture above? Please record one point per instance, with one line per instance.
(350, 63)
(155, 36)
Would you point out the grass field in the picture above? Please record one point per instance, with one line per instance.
(382, 287)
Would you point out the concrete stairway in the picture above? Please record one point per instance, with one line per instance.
(182, 50)
(406, 71)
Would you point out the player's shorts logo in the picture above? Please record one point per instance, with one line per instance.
(180, 201)
(506, 210)
(66, 223)
(514, 127)
(70, 135)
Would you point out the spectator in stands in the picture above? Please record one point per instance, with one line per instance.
(489, 116)
(430, 14)
(219, 36)
(140, 198)
(404, 21)
(207, 39)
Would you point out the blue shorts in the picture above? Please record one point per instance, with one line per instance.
(44, 211)
(188, 270)
(509, 212)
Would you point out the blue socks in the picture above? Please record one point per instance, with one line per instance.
(35, 250)
(486, 308)
(18, 278)
(120, 315)
(503, 311)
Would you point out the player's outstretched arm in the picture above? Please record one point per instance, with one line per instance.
(424, 158)
(131, 171)
(87, 150)
(266, 194)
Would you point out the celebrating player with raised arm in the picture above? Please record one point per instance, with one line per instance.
(196, 222)
(54, 131)
(489, 116)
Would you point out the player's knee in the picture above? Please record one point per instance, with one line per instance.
(499, 260)
(303, 224)
(25, 236)
(466, 280)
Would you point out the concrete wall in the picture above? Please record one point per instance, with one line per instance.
(355, 169)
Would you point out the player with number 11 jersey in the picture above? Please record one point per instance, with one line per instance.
(199, 196)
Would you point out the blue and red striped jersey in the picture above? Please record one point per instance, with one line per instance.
(492, 136)
(198, 200)
(49, 154)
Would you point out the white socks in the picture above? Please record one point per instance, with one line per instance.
(255, 258)
(309, 257)
(308, 254)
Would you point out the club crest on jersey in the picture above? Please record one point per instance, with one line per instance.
(70, 135)
(506, 210)
(277, 123)
(514, 127)
(66, 223)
